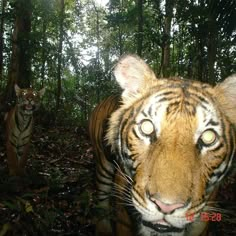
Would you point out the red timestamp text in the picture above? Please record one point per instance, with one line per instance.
(205, 216)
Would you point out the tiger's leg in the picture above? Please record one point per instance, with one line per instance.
(23, 159)
(12, 160)
(104, 184)
(123, 225)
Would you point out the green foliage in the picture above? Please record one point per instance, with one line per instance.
(95, 37)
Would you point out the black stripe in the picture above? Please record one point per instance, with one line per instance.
(28, 136)
(203, 106)
(28, 123)
(135, 133)
(212, 122)
(144, 113)
(164, 99)
(150, 110)
(122, 128)
(103, 198)
(16, 120)
(134, 196)
(13, 144)
(171, 105)
(104, 167)
(99, 172)
(217, 148)
(102, 182)
(20, 146)
(165, 94)
(198, 97)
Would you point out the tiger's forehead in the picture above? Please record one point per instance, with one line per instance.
(179, 100)
(181, 97)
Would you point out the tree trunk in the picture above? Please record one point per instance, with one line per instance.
(20, 64)
(43, 51)
(97, 34)
(200, 53)
(97, 62)
(212, 44)
(120, 32)
(120, 40)
(140, 27)
(166, 38)
(59, 58)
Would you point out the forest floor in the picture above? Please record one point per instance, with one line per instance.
(56, 197)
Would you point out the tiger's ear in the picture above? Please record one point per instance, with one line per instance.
(41, 92)
(133, 75)
(17, 90)
(225, 94)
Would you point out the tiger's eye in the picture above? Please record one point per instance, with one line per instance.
(147, 127)
(208, 137)
(24, 93)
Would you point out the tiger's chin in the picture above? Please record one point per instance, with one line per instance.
(160, 227)
(168, 226)
(150, 228)
(154, 222)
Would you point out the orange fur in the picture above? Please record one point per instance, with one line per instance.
(16, 166)
(19, 124)
(171, 167)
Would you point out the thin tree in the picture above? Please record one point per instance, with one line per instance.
(43, 55)
(140, 27)
(59, 58)
(165, 62)
(97, 60)
(20, 64)
(212, 43)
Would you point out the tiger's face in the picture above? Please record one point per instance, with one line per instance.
(175, 140)
(28, 99)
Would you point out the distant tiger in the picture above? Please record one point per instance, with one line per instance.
(19, 123)
(162, 150)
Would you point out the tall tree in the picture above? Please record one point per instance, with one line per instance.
(44, 39)
(165, 62)
(59, 57)
(97, 60)
(116, 19)
(212, 42)
(20, 65)
(140, 27)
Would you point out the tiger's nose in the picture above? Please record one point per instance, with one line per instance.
(166, 207)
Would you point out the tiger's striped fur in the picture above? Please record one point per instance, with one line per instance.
(105, 169)
(170, 143)
(19, 123)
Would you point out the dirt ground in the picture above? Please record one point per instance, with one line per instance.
(56, 197)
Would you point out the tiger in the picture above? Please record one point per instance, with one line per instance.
(19, 124)
(162, 149)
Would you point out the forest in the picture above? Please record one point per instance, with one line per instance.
(70, 48)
